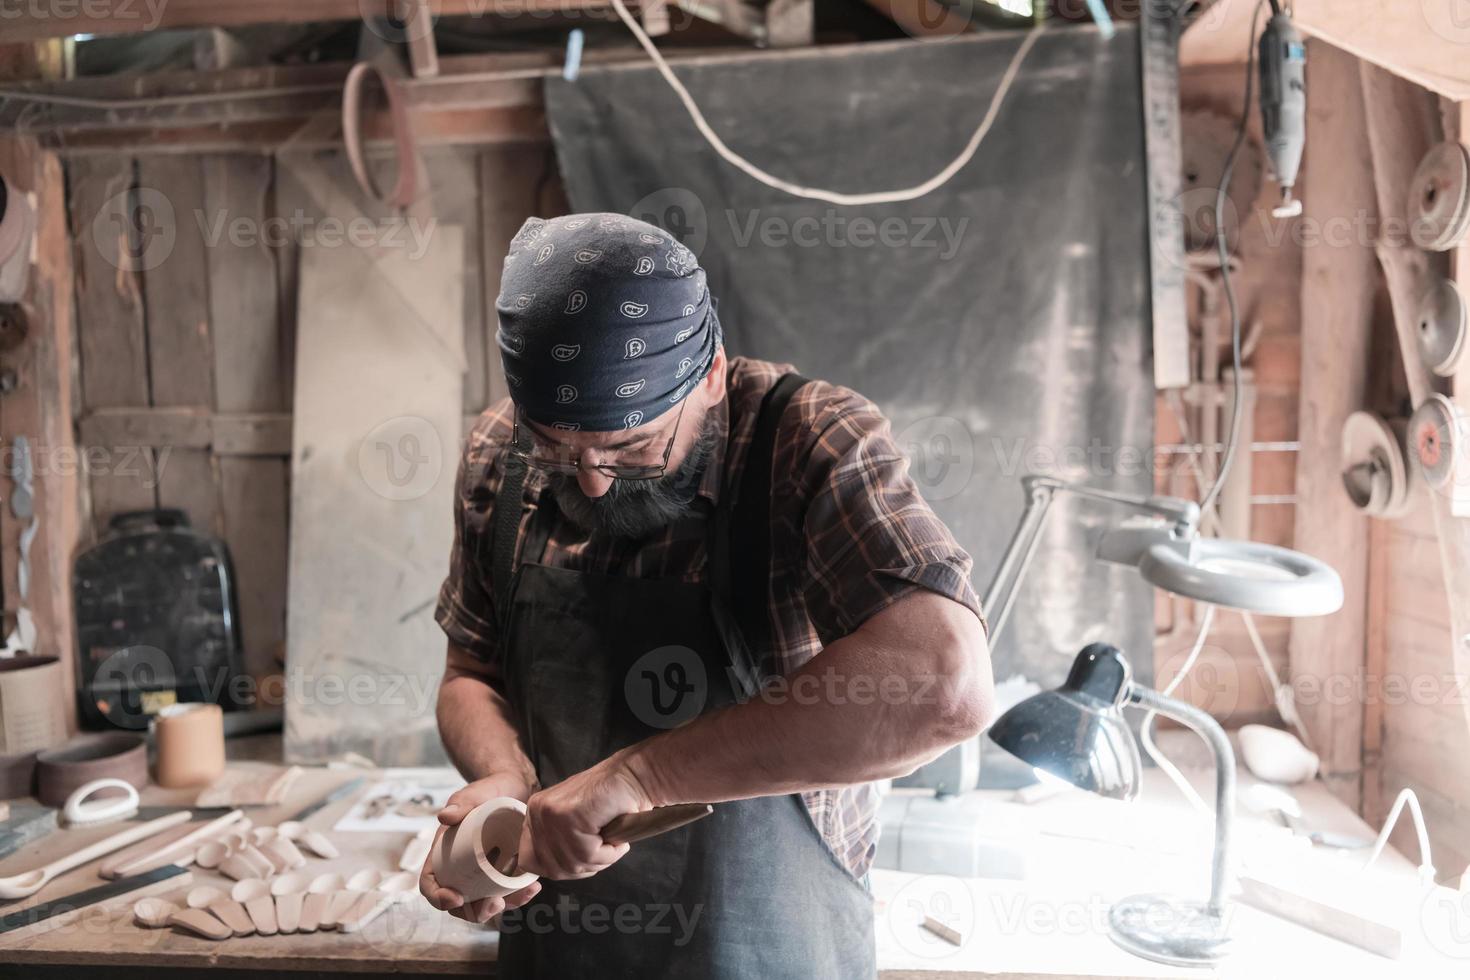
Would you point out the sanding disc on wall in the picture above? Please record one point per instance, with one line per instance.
(1442, 323)
(1438, 433)
(1439, 198)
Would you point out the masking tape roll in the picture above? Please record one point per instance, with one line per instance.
(191, 745)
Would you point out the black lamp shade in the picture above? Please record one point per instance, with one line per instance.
(1077, 731)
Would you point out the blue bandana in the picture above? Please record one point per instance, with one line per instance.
(605, 322)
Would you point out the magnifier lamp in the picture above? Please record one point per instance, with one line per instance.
(1077, 731)
(1168, 552)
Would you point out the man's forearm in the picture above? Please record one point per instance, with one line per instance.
(876, 704)
(478, 728)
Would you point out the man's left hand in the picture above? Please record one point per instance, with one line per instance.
(562, 837)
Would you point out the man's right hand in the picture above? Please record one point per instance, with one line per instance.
(456, 809)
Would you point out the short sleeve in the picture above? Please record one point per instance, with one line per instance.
(870, 536)
(466, 610)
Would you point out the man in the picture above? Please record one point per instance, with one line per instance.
(680, 578)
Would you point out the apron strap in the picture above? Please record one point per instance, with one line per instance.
(748, 530)
(508, 506)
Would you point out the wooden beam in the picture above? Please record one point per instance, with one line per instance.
(189, 428)
(40, 408)
(29, 20)
(1327, 652)
(1423, 41)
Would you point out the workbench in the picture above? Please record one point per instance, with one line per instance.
(1081, 853)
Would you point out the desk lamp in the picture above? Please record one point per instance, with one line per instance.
(1077, 731)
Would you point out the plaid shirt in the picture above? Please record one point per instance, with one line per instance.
(852, 535)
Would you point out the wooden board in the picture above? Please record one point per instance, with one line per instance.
(111, 337)
(377, 415)
(1337, 316)
(251, 367)
(40, 408)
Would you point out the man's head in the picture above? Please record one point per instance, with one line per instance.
(613, 355)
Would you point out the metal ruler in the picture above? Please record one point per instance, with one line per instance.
(1159, 61)
(82, 899)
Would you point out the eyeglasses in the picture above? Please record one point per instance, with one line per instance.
(555, 457)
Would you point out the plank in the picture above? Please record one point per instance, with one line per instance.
(252, 394)
(377, 416)
(1337, 317)
(40, 408)
(33, 21)
(111, 338)
(180, 353)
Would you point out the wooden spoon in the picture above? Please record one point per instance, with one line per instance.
(153, 913)
(28, 883)
(318, 894)
(200, 923)
(391, 890)
(255, 894)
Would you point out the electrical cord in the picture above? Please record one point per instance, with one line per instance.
(814, 193)
(1232, 440)
(1145, 730)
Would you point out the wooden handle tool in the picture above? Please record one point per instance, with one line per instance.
(633, 827)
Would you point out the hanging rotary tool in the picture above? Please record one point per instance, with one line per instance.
(1283, 59)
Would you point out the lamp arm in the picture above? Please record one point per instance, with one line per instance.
(1209, 729)
(1040, 491)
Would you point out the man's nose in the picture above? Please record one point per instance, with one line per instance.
(594, 483)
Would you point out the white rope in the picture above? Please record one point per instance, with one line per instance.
(1426, 863)
(813, 193)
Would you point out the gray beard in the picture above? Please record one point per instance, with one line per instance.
(634, 509)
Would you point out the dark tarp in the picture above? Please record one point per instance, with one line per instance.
(1001, 322)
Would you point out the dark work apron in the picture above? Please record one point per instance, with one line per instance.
(593, 663)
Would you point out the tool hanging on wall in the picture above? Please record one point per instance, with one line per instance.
(1442, 324)
(1439, 198)
(1375, 460)
(1283, 59)
(1437, 432)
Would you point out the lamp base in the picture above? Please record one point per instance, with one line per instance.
(1169, 930)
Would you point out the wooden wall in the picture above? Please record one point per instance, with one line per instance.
(186, 324)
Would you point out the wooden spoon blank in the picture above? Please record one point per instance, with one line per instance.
(201, 923)
(288, 911)
(233, 914)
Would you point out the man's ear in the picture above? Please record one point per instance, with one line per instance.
(714, 382)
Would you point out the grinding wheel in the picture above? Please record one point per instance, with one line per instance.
(1437, 431)
(1375, 465)
(1442, 323)
(1439, 198)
